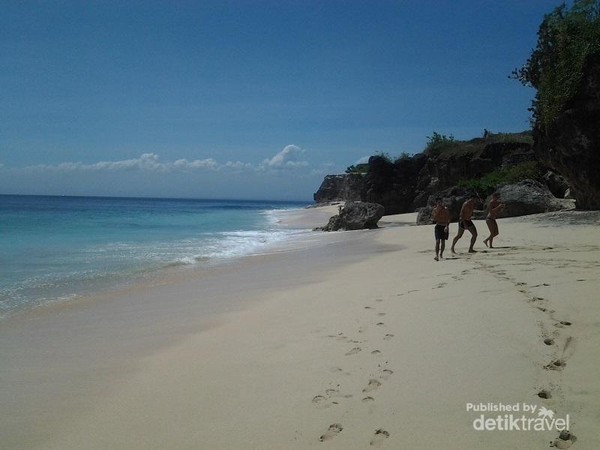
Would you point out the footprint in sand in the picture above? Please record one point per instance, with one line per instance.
(327, 400)
(368, 307)
(381, 314)
(380, 324)
(564, 440)
(557, 364)
(386, 373)
(333, 431)
(544, 394)
(338, 337)
(368, 399)
(320, 401)
(549, 341)
(354, 351)
(373, 384)
(379, 438)
(387, 337)
(378, 299)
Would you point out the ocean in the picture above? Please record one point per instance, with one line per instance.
(53, 249)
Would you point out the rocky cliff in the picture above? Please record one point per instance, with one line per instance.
(347, 187)
(519, 199)
(571, 144)
(406, 184)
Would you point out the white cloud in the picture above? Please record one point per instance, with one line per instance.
(208, 163)
(147, 162)
(284, 174)
(238, 165)
(286, 158)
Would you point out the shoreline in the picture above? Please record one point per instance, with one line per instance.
(89, 344)
(100, 246)
(367, 332)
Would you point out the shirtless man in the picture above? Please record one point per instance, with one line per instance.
(441, 217)
(465, 222)
(494, 208)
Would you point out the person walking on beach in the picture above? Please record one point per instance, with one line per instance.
(465, 222)
(494, 208)
(441, 217)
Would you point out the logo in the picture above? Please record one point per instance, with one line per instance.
(516, 417)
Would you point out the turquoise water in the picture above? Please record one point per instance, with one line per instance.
(56, 248)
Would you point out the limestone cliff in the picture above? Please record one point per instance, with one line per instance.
(347, 187)
(571, 144)
(405, 184)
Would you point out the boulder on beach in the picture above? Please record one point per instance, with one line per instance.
(530, 197)
(520, 199)
(355, 216)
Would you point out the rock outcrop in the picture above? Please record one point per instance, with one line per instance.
(557, 184)
(392, 184)
(571, 144)
(530, 197)
(453, 199)
(347, 187)
(520, 199)
(470, 160)
(355, 216)
(405, 184)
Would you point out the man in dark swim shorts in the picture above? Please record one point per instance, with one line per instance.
(441, 217)
(465, 222)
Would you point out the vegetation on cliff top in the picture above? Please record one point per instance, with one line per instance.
(442, 147)
(529, 170)
(445, 147)
(566, 38)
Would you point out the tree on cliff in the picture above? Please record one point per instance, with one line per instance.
(565, 70)
(566, 38)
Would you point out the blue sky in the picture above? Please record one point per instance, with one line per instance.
(246, 98)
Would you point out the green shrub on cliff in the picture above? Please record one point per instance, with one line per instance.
(360, 169)
(488, 183)
(566, 37)
(437, 143)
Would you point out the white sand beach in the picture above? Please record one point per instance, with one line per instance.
(359, 340)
